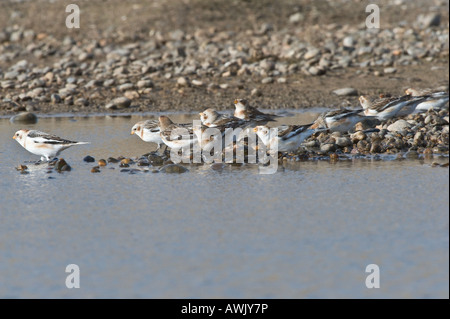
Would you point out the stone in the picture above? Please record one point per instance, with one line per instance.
(119, 103)
(144, 84)
(398, 126)
(89, 159)
(267, 80)
(173, 169)
(296, 17)
(346, 92)
(429, 20)
(348, 42)
(55, 98)
(390, 70)
(24, 118)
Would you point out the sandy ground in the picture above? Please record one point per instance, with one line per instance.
(127, 21)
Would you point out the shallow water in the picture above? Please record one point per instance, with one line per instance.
(308, 231)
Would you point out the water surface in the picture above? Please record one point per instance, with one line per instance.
(308, 231)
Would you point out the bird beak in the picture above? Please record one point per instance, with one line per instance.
(201, 113)
(255, 129)
(236, 101)
(14, 137)
(132, 132)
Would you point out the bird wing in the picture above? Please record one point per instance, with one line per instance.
(293, 130)
(175, 132)
(41, 137)
(151, 125)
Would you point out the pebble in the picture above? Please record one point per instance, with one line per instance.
(62, 166)
(267, 80)
(144, 84)
(89, 159)
(390, 70)
(398, 126)
(173, 169)
(183, 82)
(102, 162)
(24, 118)
(119, 103)
(95, 169)
(296, 18)
(346, 92)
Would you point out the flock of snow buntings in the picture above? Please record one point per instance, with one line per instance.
(246, 117)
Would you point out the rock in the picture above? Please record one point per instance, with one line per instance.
(256, 92)
(348, 42)
(429, 20)
(327, 147)
(62, 166)
(267, 80)
(311, 53)
(24, 118)
(281, 80)
(119, 103)
(109, 82)
(343, 141)
(390, 70)
(296, 17)
(358, 136)
(11, 75)
(367, 124)
(197, 83)
(7, 84)
(132, 95)
(95, 169)
(144, 84)
(21, 167)
(267, 65)
(102, 162)
(346, 92)
(89, 159)
(81, 102)
(398, 126)
(182, 82)
(125, 87)
(155, 160)
(316, 71)
(173, 169)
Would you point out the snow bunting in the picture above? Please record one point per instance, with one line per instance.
(246, 112)
(386, 108)
(148, 131)
(46, 145)
(211, 118)
(338, 121)
(432, 99)
(289, 136)
(175, 135)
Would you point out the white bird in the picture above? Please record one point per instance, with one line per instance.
(246, 112)
(433, 100)
(386, 108)
(46, 145)
(175, 135)
(342, 120)
(148, 131)
(289, 136)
